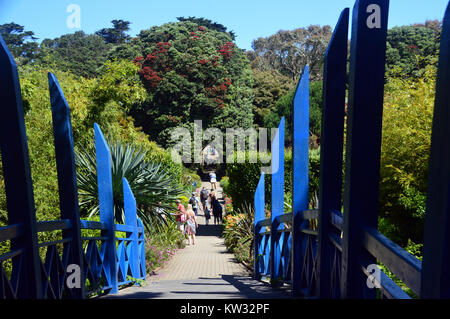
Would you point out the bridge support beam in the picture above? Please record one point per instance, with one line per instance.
(364, 123)
(435, 281)
(300, 174)
(331, 157)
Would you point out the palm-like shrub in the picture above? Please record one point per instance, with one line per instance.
(238, 232)
(149, 182)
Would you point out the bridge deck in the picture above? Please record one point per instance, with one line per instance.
(203, 271)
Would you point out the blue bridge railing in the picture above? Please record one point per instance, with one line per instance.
(103, 262)
(330, 252)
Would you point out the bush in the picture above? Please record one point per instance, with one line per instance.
(238, 233)
(244, 177)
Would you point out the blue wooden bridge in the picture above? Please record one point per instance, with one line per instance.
(329, 252)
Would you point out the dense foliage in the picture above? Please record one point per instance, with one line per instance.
(411, 48)
(407, 122)
(289, 51)
(283, 107)
(242, 178)
(149, 182)
(192, 73)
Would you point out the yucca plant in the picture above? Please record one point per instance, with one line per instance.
(149, 182)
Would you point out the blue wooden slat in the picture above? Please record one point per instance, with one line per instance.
(105, 193)
(436, 252)
(401, 263)
(90, 224)
(333, 112)
(131, 220)
(10, 232)
(141, 239)
(67, 179)
(259, 215)
(365, 106)
(17, 173)
(277, 198)
(300, 172)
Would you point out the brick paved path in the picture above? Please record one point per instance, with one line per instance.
(204, 271)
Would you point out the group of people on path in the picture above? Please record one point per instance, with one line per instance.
(187, 218)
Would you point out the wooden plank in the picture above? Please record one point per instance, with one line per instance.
(309, 214)
(131, 221)
(259, 205)
(401, 263)
(331, 157)
(124, 228)
(11, 232)
(285, 218)
(337, 220)
(52, 225)
(363, 138)
(387, 286)
(106, 200)
(11, 254)
(67, 178)
(99, 238)
(436, 251)
(264, 222)
(90, 224)
(17, 173)
(300, 173)
(277, 199)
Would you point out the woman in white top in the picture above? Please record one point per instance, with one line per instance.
(212, 179)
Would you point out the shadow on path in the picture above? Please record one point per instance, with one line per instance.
(227, 286)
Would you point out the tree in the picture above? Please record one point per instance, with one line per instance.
(116, 34)
(268, 88)
(208, 24)
(411, 48)
(192, 73)
(284, 108)
(289, 51)
(17, 40)
(78, 52)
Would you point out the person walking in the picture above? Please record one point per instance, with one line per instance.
(217, 210)
(213, 179)
(207, 212)
(191, 225)
(180, 216)
(204, 197)
(193, 201)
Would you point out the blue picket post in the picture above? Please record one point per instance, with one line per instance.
(106, 200)
(300, 173)
(332, 139)
(435, 281)
(277, 200)
(131, 220)
(17, 178)
(67, 179)
(362, 165)
(259, 216)
(141, 249)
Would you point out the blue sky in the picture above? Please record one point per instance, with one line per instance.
(249, 19)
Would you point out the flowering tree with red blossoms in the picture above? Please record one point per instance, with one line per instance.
(192, 73)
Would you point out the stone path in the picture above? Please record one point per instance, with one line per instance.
(202, 271)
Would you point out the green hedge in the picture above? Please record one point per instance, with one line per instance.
(243, 178)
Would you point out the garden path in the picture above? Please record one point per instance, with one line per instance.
(202, 271)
